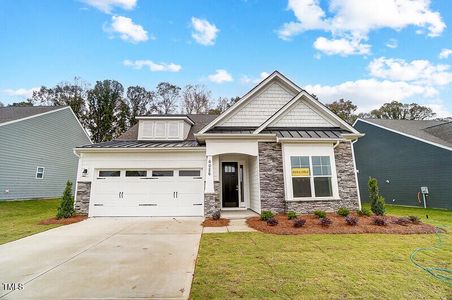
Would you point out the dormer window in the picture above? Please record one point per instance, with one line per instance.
(174, 128)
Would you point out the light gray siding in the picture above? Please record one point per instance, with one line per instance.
(43, 141)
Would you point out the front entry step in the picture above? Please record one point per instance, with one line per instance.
(238, 214)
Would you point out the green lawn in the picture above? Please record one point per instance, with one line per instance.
(19, 218)
(362, 266)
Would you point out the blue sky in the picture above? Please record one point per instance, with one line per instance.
(370, 52)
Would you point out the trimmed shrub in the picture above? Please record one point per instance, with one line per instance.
(380, 221)
(414, 219)
(216, 215)
(352, 221)
(297, 223)
(379, 206)
(364, 212)
(320, 214)
(377, 202)
(291, 215)
(272, 222)
(266, 214)
(402, 221)
(325, 222)
(343, 212)
(66, 208)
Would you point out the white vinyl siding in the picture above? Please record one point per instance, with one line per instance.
(301, 115)
(259, 108)
(254, 184)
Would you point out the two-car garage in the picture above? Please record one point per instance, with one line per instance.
(138, 192)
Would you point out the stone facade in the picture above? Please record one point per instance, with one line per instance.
(272, 182)
(271, 177)
(82, 197)
(212, 200)
(346, 179)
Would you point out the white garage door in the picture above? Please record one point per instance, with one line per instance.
(147, 193)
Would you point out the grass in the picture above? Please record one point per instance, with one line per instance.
(362, 266)
(19, 219)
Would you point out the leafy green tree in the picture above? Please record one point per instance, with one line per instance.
(103, 102)
(122, 117)
(21, 104)
(66, 208)
(141, 102)
(399, 111)
(168, 96)
(72, 94)
(345, 109)
(377, 202)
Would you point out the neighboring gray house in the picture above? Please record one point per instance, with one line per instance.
(36, 151)
(404, 156)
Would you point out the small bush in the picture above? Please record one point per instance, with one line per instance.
(377, 202)
(272, 222)
(343, 212)
(380, 221)
(379, 206)
(352, 221)
(216, 215)
(364, 212)
(320, 214)
(266, 214)
(291, 215)
(66, 208)
(402, 221)
(414, 219)
(325, 222)
(297, 223)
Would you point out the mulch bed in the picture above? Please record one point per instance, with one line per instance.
(209, 222)
(63, 221)
(365, 225)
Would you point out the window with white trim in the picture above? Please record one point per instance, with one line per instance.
(40, 173)
(311, 176)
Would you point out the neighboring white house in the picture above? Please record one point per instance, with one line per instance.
(277, 149)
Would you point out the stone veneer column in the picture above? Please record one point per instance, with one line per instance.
(212, 200)
(82, 197)
(346, 179)
(271, 177)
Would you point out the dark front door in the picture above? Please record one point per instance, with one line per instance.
(230, 179)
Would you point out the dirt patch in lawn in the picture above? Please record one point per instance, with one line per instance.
(365, 225)
(63, 221)
(209, 222)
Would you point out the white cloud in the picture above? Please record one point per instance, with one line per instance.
(127, 30)
(220, 76)
(107, 6)
(392, 43)
(445, 53)
(204, 32)
(248, 80)
(21, 92)
(341, 46)
(417, 71)
(354, 19)
(440, 110)
(153, 67)
(369, 94)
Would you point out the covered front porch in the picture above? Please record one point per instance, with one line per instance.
(232, 176)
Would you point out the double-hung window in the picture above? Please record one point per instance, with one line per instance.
(311, 176)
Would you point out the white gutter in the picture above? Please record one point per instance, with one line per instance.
(137, 150)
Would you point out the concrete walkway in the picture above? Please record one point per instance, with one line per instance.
(235, 225)
(140, 258)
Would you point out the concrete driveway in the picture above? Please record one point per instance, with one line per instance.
(104, 258)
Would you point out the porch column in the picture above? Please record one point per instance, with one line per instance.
(209, 175)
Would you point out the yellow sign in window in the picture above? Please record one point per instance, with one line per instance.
(300, 171)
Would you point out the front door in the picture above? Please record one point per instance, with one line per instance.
(230, 189)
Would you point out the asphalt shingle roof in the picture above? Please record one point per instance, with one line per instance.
(435, 131)
(8, 114)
